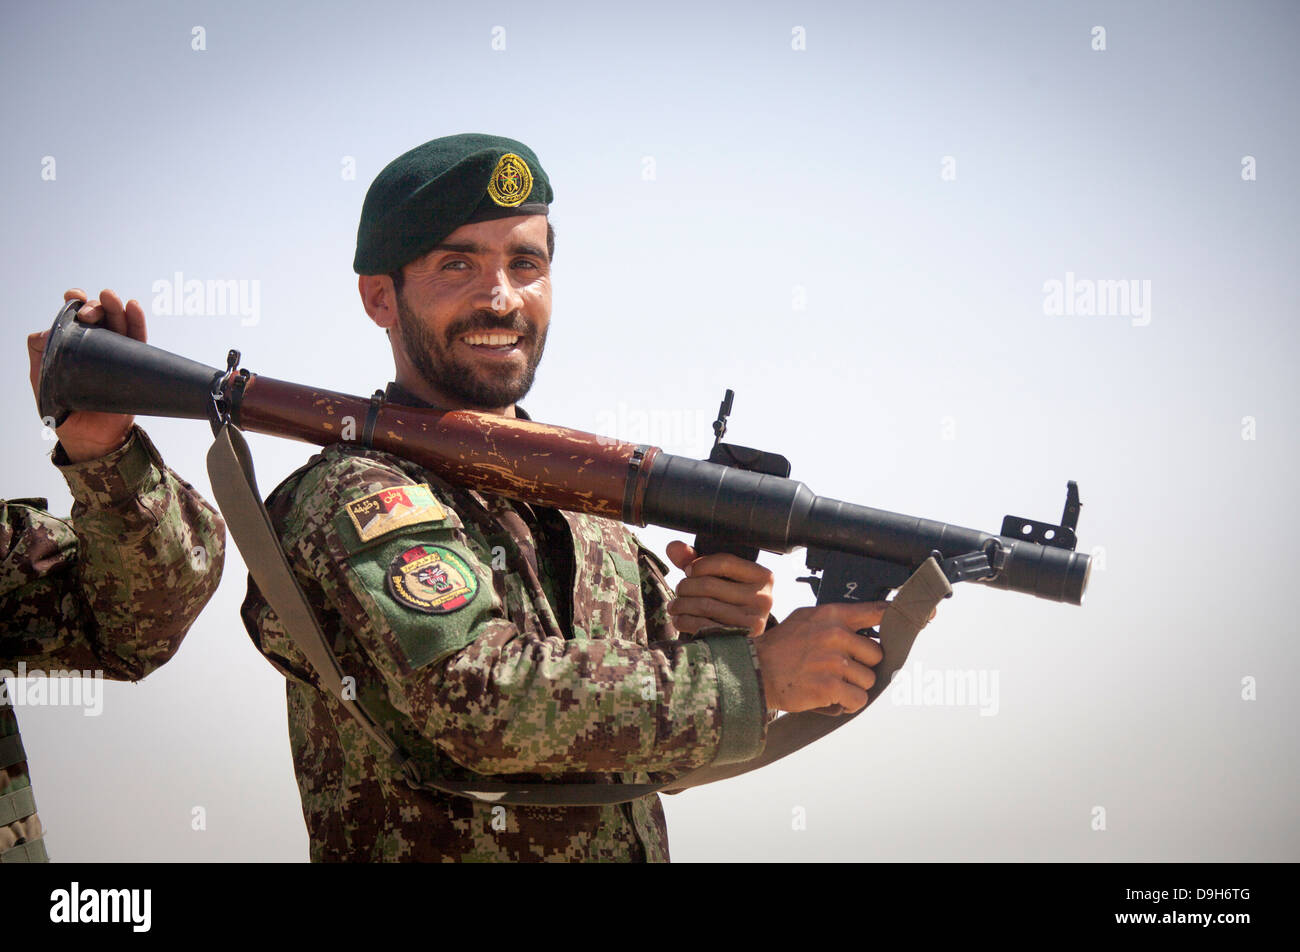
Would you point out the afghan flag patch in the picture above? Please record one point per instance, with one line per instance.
(431, 579)
(395, 508)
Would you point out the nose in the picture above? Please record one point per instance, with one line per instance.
(503, 296)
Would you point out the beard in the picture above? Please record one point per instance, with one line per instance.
(477, 387)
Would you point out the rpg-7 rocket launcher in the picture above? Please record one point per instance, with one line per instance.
(739, 500)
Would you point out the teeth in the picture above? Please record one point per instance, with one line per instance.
(491, 340)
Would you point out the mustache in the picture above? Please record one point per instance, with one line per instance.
(486, 321)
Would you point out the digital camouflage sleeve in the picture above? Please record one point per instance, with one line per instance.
(113, 589)
(492, 638)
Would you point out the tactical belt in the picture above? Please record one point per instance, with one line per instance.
(11, 750)
(33, 851)
(230, 468)
(16, 806)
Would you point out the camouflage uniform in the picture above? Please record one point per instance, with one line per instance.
(113, 590)
(489, 638)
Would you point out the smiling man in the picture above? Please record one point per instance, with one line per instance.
(461, 354)
(489, 637)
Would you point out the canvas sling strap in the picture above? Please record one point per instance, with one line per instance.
(230, 468)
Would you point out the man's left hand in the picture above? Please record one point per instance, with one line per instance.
(719, 589)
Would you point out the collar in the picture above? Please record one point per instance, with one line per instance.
(398, 394)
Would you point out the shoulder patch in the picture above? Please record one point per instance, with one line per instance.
(395, 508)
(431, 579)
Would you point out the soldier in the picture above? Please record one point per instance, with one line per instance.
(494, 638)
(112, 590)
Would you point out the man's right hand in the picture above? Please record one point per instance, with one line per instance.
(87, 435)
(816, 658)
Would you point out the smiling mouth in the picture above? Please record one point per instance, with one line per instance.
(499, 341)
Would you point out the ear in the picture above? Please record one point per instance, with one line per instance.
(379, 298)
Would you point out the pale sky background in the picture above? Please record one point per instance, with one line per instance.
(735, 212)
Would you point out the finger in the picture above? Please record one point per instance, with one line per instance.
(724, 590)
(135, 326)
(854, 615)
(726, 565)
(680, 554)
(851, 697)
(857, 674)
(753, 604)
(830, 710)
(720, 612)
(114, 311)
(73, 294)
(35, 351)
(863, 649)
(90, 313)
(689, 624)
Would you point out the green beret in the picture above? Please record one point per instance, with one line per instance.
(423, 196)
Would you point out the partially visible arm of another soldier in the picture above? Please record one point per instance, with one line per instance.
(117, 587)
(502, 698)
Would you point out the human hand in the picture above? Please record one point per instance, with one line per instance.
(719, 589)
(816, 658)
(87, 435)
